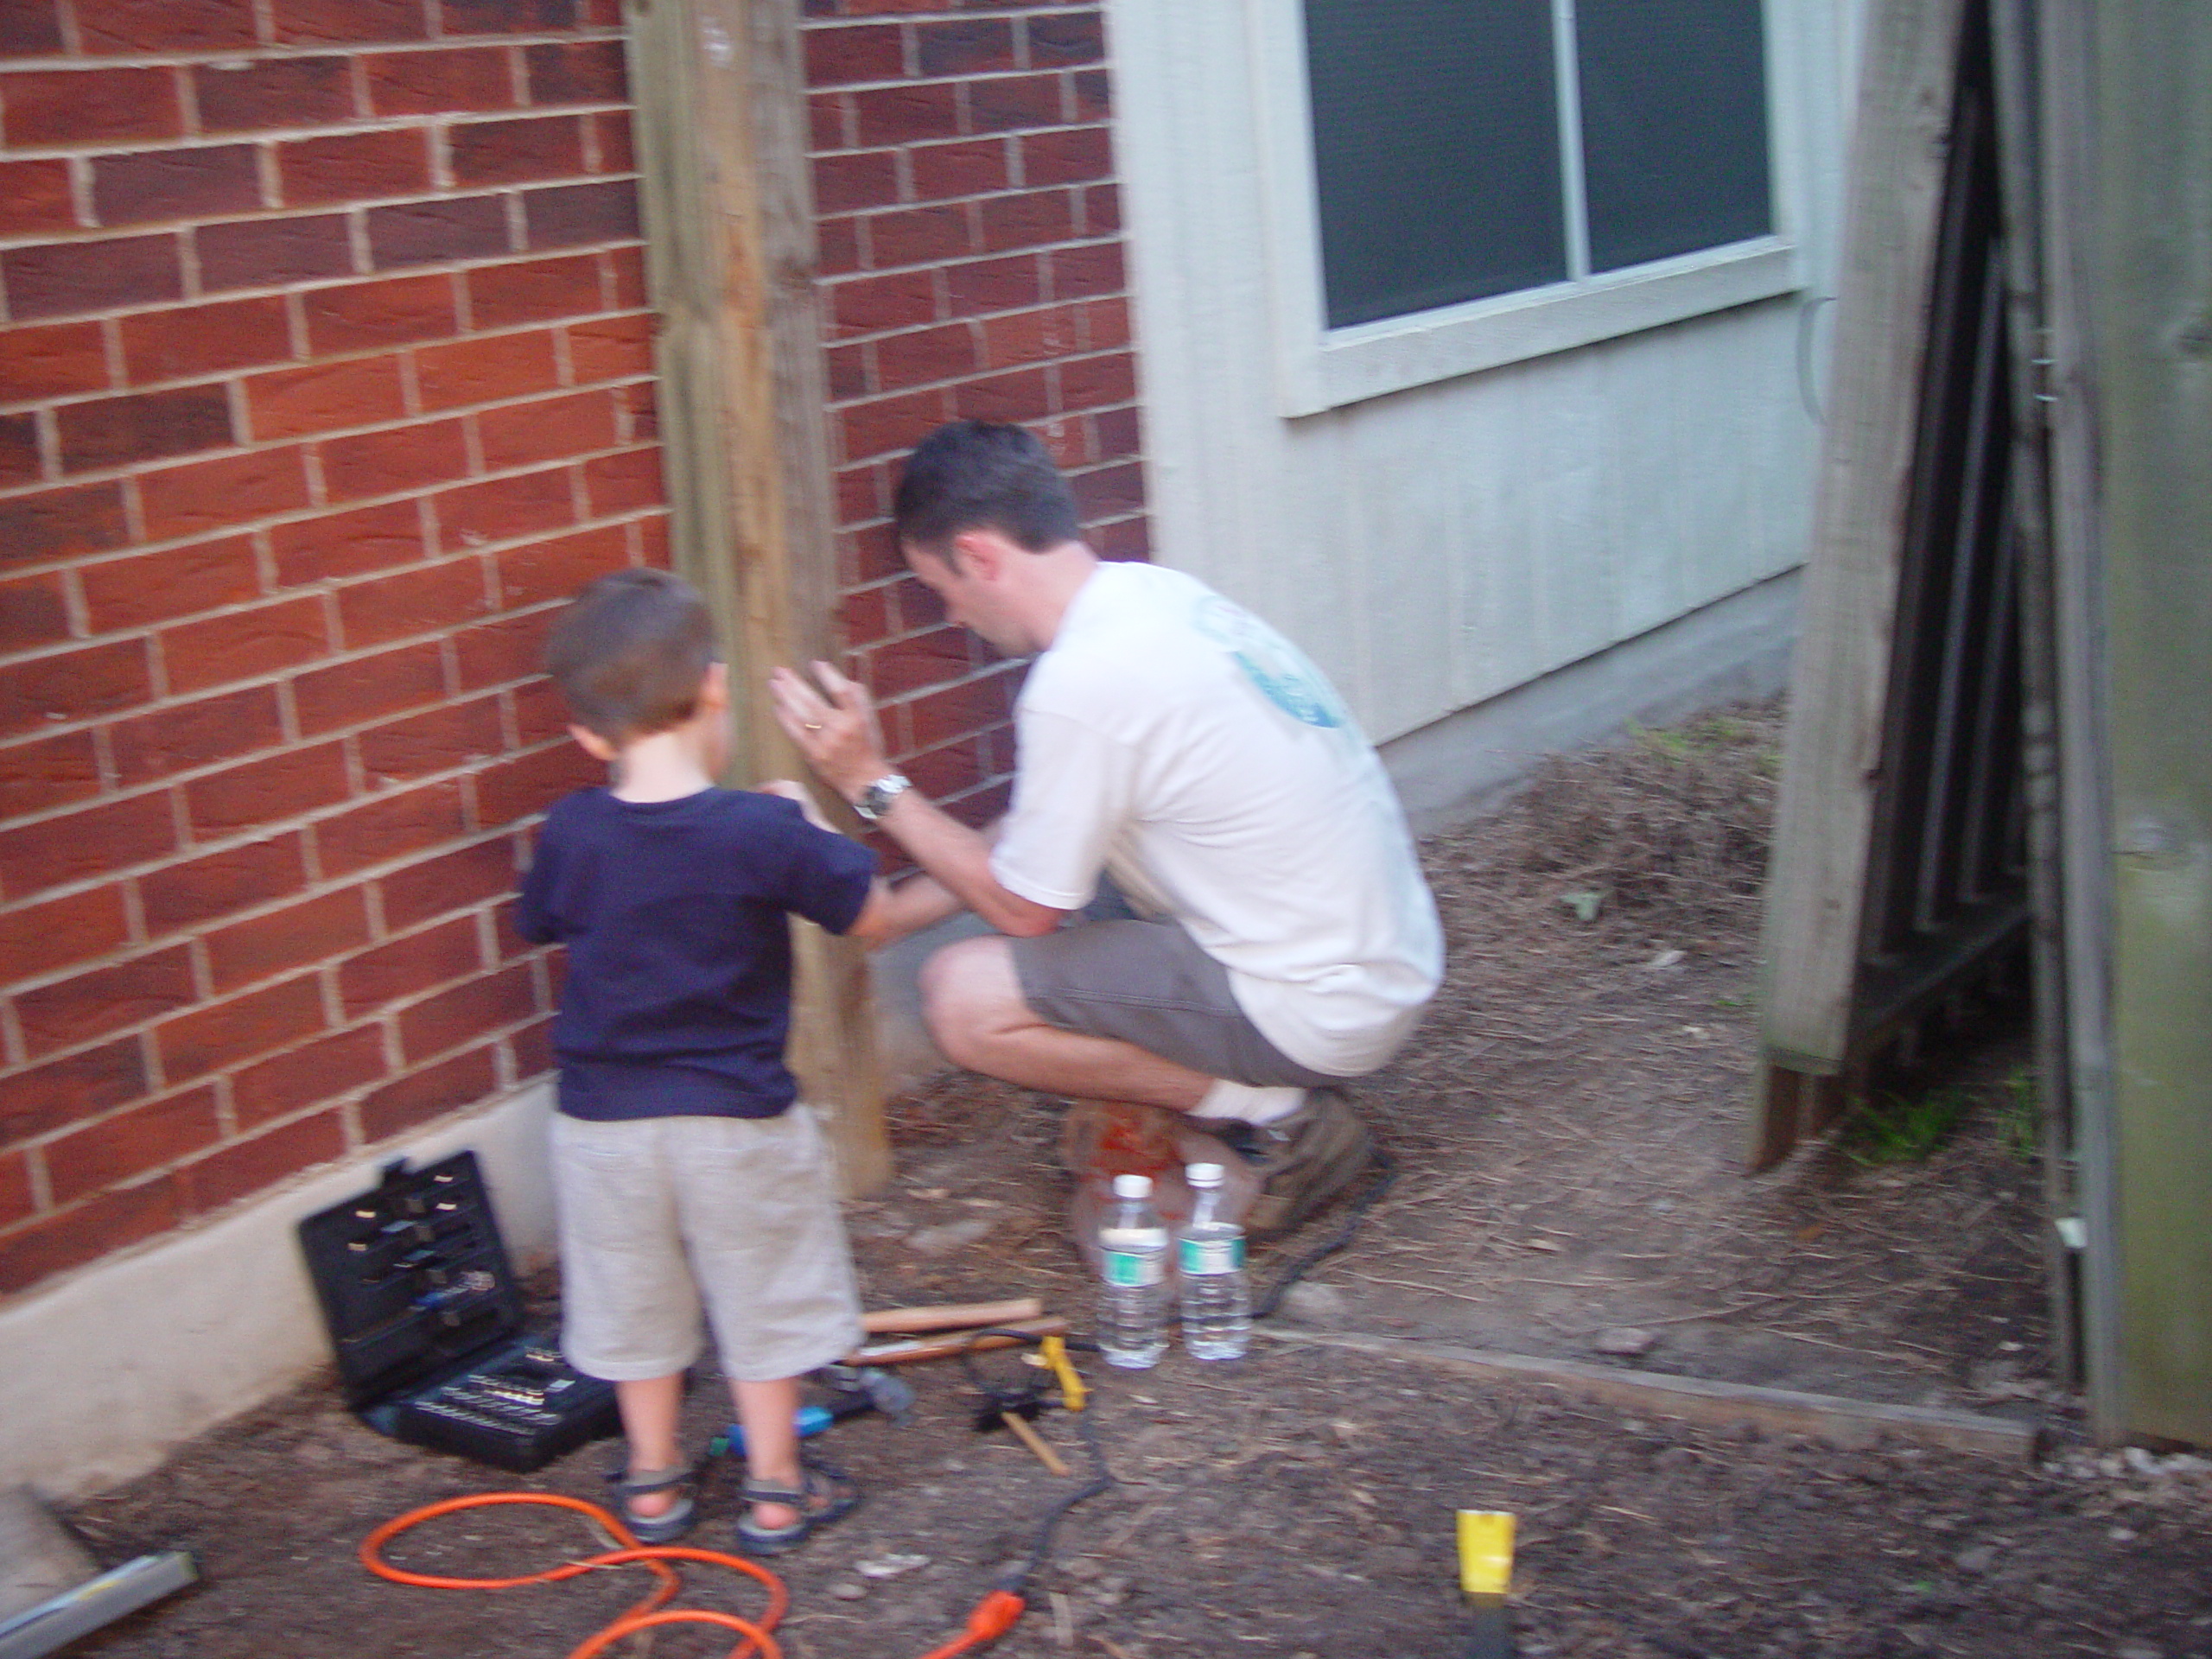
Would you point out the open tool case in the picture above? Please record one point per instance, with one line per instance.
(428, 1321)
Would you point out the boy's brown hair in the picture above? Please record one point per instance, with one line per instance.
(630, 651)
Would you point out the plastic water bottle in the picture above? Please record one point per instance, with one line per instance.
(1216, 1300)
(1132, 1300)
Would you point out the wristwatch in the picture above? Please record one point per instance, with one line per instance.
(875, 800)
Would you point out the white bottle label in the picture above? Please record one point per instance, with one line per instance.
(1130, 1270)
(1204, 1255)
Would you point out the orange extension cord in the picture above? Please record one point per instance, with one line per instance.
(993, 1618)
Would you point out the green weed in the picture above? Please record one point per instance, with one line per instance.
(1898, 1130)
(2020, 1116)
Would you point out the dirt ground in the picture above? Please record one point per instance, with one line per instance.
(1566, 1129)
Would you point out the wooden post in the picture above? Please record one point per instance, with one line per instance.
(730, 257)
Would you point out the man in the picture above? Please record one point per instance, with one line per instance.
(1176, 744)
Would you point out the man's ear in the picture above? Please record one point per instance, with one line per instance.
(592, 744)
(714, 686)
(984, 552)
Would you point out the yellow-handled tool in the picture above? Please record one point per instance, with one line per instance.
(1485, 1575)
(1053, 1350)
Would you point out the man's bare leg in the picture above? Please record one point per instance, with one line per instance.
(971, 999)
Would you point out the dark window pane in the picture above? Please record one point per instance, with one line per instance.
(1673, 126)
(1436, 148)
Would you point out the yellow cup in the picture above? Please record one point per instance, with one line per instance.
(1485, 1552)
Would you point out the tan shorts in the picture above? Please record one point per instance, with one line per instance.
(663, 1217)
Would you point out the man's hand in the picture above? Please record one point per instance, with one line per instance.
(832, 722)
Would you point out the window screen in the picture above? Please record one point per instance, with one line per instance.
(1436, 150)
(1673, 126)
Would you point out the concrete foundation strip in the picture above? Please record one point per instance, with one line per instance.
(1698, 1400)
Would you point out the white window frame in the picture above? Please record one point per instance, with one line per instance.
(1321, 368)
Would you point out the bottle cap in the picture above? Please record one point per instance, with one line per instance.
(1203, 1174)
(1133, 1186)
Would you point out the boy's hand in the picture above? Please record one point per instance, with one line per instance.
(832, 722)
(799, 792)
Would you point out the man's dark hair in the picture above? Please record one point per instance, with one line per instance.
(629, 652)
(978, 476)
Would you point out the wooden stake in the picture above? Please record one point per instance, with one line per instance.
(956, 1317)
(1030, 1438)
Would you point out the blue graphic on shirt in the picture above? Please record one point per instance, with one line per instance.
(1278, 668)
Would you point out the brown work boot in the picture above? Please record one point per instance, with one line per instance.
(1100, 1140)
(1302, 1162)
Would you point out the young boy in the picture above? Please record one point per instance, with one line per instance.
(687, 1176)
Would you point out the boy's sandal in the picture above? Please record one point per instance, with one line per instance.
(823, 1495)
(671, 1523)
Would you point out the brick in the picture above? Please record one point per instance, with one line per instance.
(541, 715)
(48, 1097)
(459, 227)
(112, 1222)
(987, 285)
(1027, 220)
(142, 426)
(919, 236)
(407, 966)
(576, 71)
(263, 791)
(867, 178)
(61, 932)
(35, 197)
(1094, 95)
(325, 397)
(17, 1201)
(509, 649)
(528, 504)
(1087, 272)
(90, 107)
(244, 645)
(353, 166)
(34, 612)
(390, 826)
(1032, 336)
(1102, 210)
(347, 544)
(849, 371)
(147, 1137)
(615, 137)
(223, 1033)
(64, 279)
(20, 462)
(429, 598)
(392, 311)
(946, 771)
(888, 424)
(451, 79)
(322, 1070)
(368, 687)
(184, 736)
(1106, 323)
(384, 463)
(451, 882)
(836, 245)
(1130, 540)
(1090, 381)
(624, 482)
(836, 57)
(967, 46)
(905, 115)
(521, 788)
(273, 92)
(517, 151)
(71, 685)
(422, 1096)
(486, 370)
(1118, 432)
(437, 740)
(55, 361)
(173, 26)
(210, 495)
(871, 304)
(177, 581)
(296, 936)
(571, 215)
(348, 23)
(870, 554)
(940, 715)
(540, 571)
(47, 772)
(829, 121)
(1067, 156)
(245, 1167)
(639, 409)
(165, 184)
(205, 339)
(30, 29)
(1009, 103)
(532, 1048)
(191, 895)
(611, 348)
(506, 16)
(1109, 492)
(552, 429)
(106, 1000)
(1067, 40)
(925, 660)
(449, 1019)
(926, 355)
(273, 252)
(973, 167)
(534, 290)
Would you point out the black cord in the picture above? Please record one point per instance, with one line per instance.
(1386, 1173)
(1004, 1398)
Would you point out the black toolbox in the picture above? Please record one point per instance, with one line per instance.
(426, 1316)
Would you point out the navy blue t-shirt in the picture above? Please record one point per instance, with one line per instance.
(677, 998)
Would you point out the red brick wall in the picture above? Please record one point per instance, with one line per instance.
(972, 266)
(324, 373)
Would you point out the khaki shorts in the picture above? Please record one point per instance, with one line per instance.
(1149, 984)
(663, 1217)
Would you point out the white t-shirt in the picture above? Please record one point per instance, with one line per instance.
(1175, 741)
